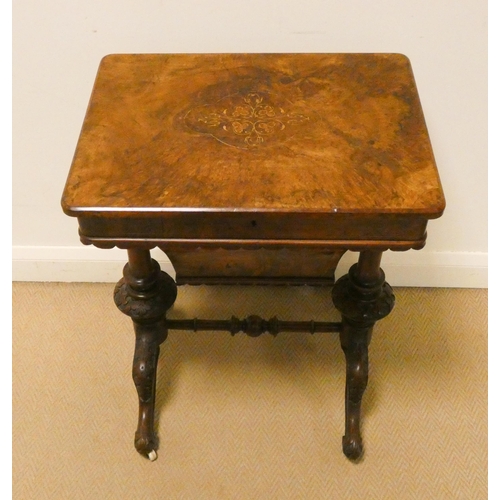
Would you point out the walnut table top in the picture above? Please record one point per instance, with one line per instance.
(254, 146)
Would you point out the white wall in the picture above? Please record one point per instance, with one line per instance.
(57, 46)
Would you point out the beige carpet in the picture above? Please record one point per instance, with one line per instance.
(244, 418)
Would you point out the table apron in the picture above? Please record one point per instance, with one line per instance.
(268, 229)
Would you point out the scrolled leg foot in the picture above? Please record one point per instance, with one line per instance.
(352, 447)
(146, 445)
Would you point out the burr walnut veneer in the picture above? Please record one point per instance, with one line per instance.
(254, 169)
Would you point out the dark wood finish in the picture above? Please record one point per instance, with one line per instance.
(253, 326)
(145, 294)
(363, 297)
(354, 245)
(192, 227)
(254, 169)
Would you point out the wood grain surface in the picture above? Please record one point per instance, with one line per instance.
(279, 149)
(260, 132)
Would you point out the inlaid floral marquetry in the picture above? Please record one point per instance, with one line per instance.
(246, 120)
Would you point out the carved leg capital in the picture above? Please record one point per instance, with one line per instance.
(145, 298)
(363, 302)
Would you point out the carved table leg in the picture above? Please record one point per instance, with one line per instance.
(145, 293)
(362, 297)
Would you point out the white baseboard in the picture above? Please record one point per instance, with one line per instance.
(90, 264)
